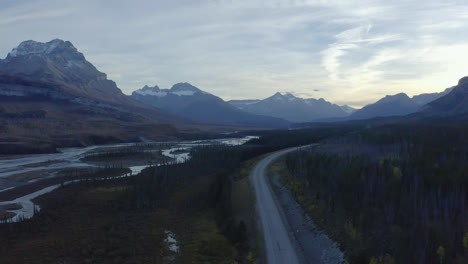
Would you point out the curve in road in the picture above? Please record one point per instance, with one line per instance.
(279, 247)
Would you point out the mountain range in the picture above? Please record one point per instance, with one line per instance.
(397, 105)
(186, 100)
(292, 108)
(51, 96)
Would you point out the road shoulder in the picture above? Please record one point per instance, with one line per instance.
(312, 245)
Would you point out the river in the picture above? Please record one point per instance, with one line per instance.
(71, 158)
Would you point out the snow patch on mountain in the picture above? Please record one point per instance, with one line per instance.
(152, 93)
(184, 93)
(31, 47)
(180, 89)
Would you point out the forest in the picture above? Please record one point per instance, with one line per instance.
(393, 194)
(389, 194)
(206, 202)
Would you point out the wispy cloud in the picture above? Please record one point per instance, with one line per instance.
(343, 51)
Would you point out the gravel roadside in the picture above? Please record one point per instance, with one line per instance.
(313, 245)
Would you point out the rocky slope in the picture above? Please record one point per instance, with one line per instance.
(50, 95)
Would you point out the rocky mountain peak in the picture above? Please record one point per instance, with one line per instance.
(56, 60)
(149, 88)
(463, 82)
(59, 63)
(289, 96)
(281, 97)
(31, 47)
(348, 109)
(396, 97)
(178, 87)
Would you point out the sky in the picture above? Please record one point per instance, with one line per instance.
(347, 52)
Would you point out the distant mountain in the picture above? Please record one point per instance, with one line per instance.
(292, 108)
(242, 103)
(426, 98)
(391, 105)
(348, 109)
(453, 103)
(186, 100)
(49, 93)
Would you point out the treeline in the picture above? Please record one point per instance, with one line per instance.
(290, 138)
(397, 193)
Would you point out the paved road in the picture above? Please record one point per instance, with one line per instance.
(279, 246)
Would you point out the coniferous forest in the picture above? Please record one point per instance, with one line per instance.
(394, 194)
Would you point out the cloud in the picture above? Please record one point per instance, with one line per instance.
(337, 49)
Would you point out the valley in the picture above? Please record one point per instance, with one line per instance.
(106, 156)
(89, 174)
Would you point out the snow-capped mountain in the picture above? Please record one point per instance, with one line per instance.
(57, 70)
(186, 100)
(54, 89)
(58, 62)
(292, 108)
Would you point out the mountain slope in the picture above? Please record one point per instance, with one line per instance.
(56, 69)
(242, 103)
(453, 103)
(348, 109)
(291, 108)
(186, 100)
(423, 99)
(391, 105)
(50, 95)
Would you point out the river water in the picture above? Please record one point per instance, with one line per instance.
(71, 158)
